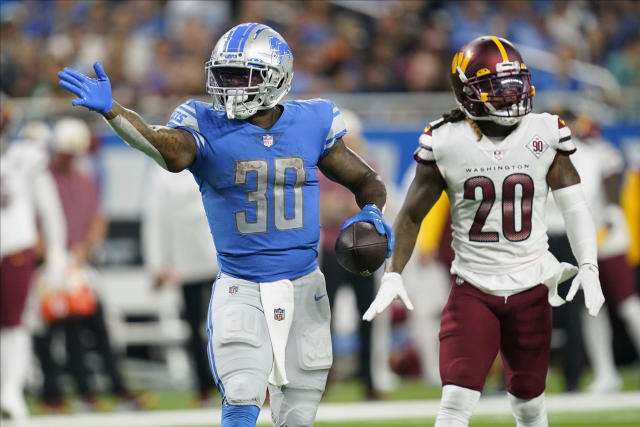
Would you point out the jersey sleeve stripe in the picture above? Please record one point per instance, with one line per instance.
(334, 138)
(195, 132)
(425, 141)
(199, 139)
(328, 145)
(561, 123)
(566, 138)
(422, 155)
(187, 110)
(569, 150)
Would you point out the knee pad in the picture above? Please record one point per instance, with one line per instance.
(456, 406)
(297, 409)
(240, 416)
(244, 390)
(529, 412)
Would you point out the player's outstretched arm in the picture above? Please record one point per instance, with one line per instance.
(564, 181)
(423, 193)
(173, 149)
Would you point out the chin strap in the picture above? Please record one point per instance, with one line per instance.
(229, 107)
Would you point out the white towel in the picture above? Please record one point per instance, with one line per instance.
(278, 305)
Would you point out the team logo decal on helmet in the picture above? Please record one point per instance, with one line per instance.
(491, 82)
(250, 69)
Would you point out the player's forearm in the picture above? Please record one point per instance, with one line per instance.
(371, 189)
(406, 232)
(96, 233)
(173, 149)
(581, 230)
(53, 224)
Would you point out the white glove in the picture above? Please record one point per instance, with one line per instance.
(391, 287)
(588, 279)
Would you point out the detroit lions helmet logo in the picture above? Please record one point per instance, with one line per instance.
(279, 49)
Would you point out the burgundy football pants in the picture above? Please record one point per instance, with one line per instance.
(15, 276)
(617, 279)
(475, 326)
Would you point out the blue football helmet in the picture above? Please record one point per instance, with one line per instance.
(250, 69)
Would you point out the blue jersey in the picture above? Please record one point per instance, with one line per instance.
(260, 187)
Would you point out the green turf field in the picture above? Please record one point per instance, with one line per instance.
(630, 418)
(599, 419)
(343, 392)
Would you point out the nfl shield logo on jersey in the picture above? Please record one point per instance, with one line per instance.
(278, 313)
(497, 155)
(233, 289)
(537, 146)
(267, 140)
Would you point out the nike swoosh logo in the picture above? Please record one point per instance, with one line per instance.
(318, 298)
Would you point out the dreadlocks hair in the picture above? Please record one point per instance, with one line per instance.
(457, 115)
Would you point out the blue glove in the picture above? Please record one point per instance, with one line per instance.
(371, 214)
(95, 94)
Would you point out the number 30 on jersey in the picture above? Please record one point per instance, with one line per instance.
(259, 195)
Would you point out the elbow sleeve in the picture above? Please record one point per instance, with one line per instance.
(135, 139)
(581, 229)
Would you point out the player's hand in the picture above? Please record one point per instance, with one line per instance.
(167, 278)
(371, 214)
(95, 94)
(587, 279)
(391, 288)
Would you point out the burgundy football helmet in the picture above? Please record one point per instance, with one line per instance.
(491, 82)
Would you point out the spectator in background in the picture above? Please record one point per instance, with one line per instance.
(625, 65)
(86, 229)
(178, 250)
(600, 166)
(341, 45)
(27, 191)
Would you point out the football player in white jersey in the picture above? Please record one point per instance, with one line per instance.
(26, 191)
(496, 160)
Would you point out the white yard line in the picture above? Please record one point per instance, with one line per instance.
(494, 405)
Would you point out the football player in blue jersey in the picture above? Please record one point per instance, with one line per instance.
(256, 161)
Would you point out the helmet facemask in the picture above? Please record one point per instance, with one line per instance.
(503, 97)
(238, 90)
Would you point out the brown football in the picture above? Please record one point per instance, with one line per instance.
(360, 249)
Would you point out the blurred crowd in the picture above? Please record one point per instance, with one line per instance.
(159, 47)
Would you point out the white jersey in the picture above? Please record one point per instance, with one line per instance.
(498, 192)
(19, 168)
(176, 233)
(596, 160)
